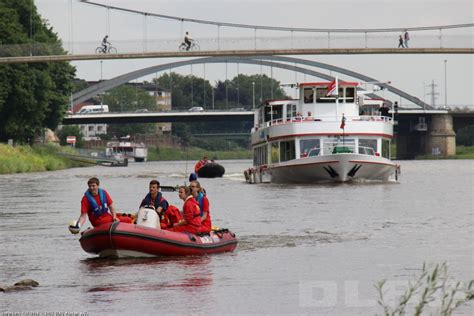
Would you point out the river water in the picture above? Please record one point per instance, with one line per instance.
(313, 249)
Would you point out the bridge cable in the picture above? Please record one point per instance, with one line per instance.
(288, 29)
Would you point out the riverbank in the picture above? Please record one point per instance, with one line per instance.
(194, 153)
(20, 159)
(462, 152)
(36, 158)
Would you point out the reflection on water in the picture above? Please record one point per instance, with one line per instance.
(288, 235)
(197, 273)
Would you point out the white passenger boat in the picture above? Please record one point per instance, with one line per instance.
(130, 150)
(321, 138)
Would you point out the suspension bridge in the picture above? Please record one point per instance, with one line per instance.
(436, 39)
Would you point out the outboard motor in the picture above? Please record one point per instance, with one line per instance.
(148, 217)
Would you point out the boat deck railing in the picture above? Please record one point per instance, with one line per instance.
(311, 119)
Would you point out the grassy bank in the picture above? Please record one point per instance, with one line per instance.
(33, 158)
(193, 153)
(462, 152)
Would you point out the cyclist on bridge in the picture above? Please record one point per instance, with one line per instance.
(188, 40)
(105, 44)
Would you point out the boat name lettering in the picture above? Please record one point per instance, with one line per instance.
(206, 240)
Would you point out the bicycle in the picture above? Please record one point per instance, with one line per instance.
(109, 50)
(184, 46)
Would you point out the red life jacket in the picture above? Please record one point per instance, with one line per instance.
(170, 217)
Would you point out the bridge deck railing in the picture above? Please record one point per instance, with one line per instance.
(425, 39)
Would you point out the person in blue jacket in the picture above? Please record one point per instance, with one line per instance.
(155, 198)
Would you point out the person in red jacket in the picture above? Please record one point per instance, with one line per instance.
(98, 205)
(201, 163)
(200, 196)
(171, 216)
(191, 213)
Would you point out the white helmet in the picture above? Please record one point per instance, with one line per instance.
(74, 227)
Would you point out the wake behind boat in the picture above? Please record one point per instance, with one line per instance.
(331, 142)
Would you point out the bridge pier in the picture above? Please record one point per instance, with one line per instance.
(430, 135)
(441, 139)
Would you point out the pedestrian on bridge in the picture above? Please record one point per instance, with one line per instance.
(400, 42)
(406, 37)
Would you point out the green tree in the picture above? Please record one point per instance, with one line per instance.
(240, 91)
(188, 91)
(465, 136)
(70, 130)
(32, 96)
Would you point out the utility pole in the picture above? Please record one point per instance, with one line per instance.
(212, 90)
(445, 84)
(433, 93)
(253, 95)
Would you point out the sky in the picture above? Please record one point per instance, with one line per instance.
(411, 73)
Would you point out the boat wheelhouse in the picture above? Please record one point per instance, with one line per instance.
(320, 137)
(129, 150)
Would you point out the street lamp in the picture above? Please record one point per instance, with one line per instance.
(212, 89)
(253, 95)
(445, 84)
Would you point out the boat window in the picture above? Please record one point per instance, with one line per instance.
(275, 152)
(334, 145)
(321, 96)
(367, 146)
(308, 95)
(386, 148)
(314, 152)
(290, 110)
(277, 112)
(268, 113)
(287, 150)
(350, 93)
(260, 156)
(306, 145)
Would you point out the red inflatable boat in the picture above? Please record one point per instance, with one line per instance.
(130, 240)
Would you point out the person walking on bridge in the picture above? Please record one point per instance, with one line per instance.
(400, 42)
(406, 38)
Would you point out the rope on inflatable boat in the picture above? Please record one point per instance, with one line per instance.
(111, 229)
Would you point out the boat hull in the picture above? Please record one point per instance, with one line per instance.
(130, 240)
(211, 170)
(333, 168)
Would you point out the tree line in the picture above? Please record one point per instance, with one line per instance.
(32, 96)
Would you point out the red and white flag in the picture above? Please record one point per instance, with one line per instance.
(332, 88)
(343, 122)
